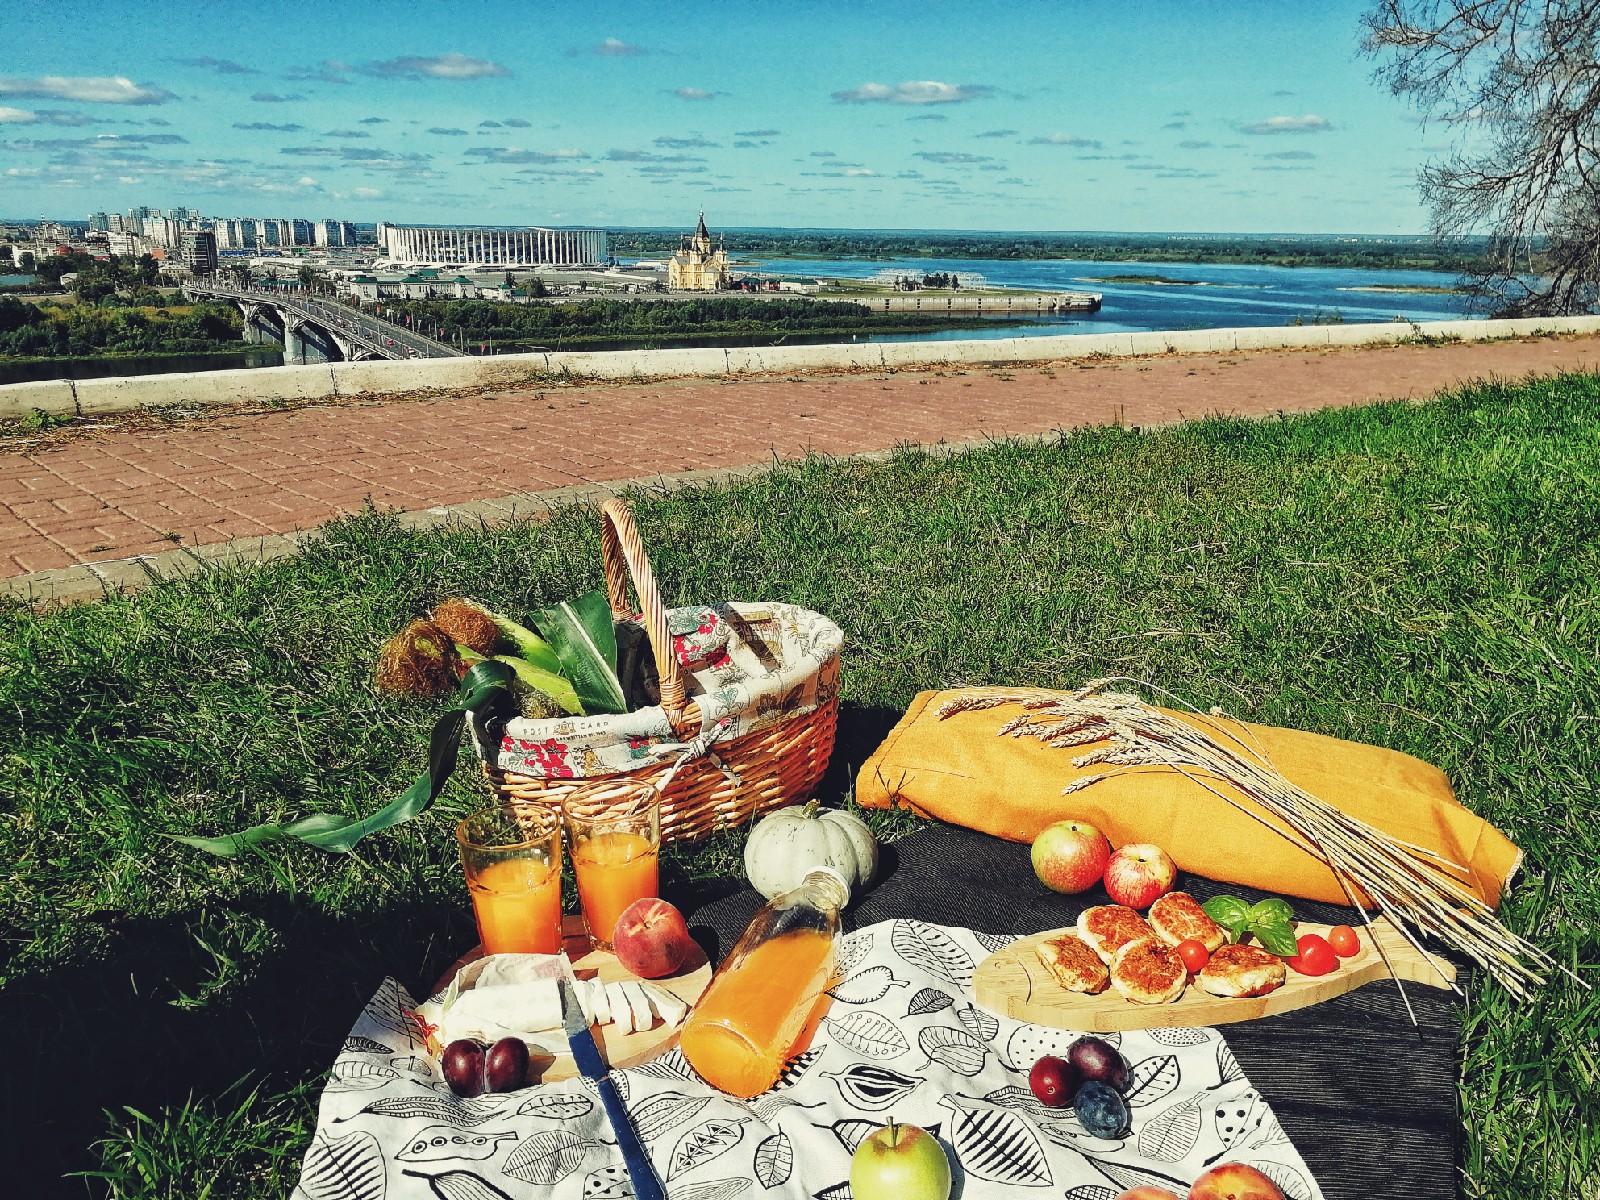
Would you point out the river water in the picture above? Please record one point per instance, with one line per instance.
(1202, 296)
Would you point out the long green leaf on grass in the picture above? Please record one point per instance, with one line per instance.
(485, 685)
(586, 641)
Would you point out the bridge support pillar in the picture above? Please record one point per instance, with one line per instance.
(304, 342)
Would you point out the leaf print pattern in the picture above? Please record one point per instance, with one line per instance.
(929, 1000)
(1172, 1135)
(867, 1033)
(445, 1141)
(997, 1145)
(871, 1087)
(608, 1183)
(954, 1049)
(853, 950)
(661, 1114)
(547, 1158)
(851, 1132)
(716, 1189)
(933, 950)
(979, 1024)
(1152, 1079)
(556, 1107)
(866, 987)
(702, 1144)
(993, 942)
(866, 1064)
(346, 1168)
(1179, 1035)
(459, 1185)
(774, 1161)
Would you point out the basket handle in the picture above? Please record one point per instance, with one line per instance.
(624, 556)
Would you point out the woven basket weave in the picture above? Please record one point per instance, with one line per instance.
(777, 765)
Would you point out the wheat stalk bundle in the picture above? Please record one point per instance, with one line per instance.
(1410, 885)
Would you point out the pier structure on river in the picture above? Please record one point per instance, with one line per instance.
(986, 304)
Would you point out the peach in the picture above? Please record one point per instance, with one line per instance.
(651, 939)
(1234, 1181)
(1145, 1192)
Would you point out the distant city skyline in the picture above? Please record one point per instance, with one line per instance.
(1160, 117)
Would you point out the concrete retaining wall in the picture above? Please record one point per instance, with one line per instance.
(453, 374)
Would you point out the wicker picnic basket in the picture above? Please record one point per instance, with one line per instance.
(748, 722)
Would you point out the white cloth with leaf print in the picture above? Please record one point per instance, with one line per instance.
(901, 1039)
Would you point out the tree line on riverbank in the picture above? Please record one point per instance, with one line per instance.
(480, 321)
(1397, 254)
(50, 331)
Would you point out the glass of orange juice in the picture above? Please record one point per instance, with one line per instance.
(615, 832)
(511, 854)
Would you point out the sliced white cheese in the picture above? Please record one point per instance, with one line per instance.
(621, 1010)
(643, 1017)
(599, 1005)
(669, 1008)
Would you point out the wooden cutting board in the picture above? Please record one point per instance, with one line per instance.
(617, 1048)
(1014, 983)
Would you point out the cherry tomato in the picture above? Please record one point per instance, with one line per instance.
(1344, 940)
(1194, 955)
(1053, 1081)
(1316, 957)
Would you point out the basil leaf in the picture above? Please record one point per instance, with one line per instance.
(1232, 913)
(1272, 909)
(1276, 936)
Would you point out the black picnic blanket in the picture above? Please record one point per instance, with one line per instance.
(1368, 1100)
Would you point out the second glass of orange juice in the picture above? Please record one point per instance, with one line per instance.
(511, 854)
(615, 834)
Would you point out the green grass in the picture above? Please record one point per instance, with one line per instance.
(1425, 577)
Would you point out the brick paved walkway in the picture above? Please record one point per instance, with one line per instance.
(138, 490)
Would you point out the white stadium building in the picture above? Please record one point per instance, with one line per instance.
(493, 245)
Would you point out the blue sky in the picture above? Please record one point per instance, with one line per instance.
(1257, 117)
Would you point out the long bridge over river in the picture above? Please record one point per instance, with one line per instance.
(314, 330)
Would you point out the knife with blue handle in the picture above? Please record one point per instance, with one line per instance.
(587, 1055)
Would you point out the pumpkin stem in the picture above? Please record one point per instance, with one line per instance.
(811, 809)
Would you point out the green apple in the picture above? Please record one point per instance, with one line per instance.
(900, 1162)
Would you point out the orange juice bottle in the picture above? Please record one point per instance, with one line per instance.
(759, 1006)
(518, 905)
(614, 869)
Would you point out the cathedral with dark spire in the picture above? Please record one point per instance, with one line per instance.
(699, 265)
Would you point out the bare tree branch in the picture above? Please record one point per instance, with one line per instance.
(1519, 83)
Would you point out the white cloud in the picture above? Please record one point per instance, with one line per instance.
(924, 91)
(947, 157)
(611, 48)
(43, 116)
(508, 154)
(444, 66)
(1066, 139)
(1310, 123)
(694, 93)
(90, 89)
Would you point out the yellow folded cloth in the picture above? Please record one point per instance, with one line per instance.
(958, 770)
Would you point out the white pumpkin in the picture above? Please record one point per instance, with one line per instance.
(784, 845)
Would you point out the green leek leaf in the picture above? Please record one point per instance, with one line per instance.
(584, 637)
(487, 684)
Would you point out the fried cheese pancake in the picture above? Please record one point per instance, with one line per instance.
(1178, 917)
(1072, 964)
(1148, 971)
(1242, 971)
(1107, 928)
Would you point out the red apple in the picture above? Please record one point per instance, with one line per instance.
(900, 1162)
(1070, 856)
(1234, 1181)
(1139, 874)
(651, 939)
(1145, 1192)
